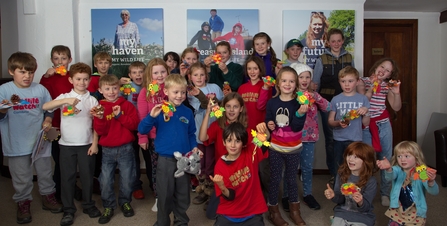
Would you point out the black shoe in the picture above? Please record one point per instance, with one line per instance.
(67, 219)
(201, 198)
(285, 204)
(127, 210)
(92, 212)
(311, 202)
(78, 193)
(106, 216)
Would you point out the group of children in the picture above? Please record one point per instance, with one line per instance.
(176, 97)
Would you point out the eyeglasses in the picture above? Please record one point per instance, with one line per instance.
(317, 13)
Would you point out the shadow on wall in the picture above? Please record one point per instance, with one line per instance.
(437, 121)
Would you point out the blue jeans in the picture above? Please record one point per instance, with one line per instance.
(339, 150)
(386, 142)
(307, 165)
(329, 143)
(122, 157)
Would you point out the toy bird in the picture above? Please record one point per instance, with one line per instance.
(152, 89)
(127, 89)
(268, 80)
(349, 189)
(217, 58)
(216, 110)
(61, 70)
(305, 98)
(168, 110)
(375, 86)
(392, 83)
(420, 173)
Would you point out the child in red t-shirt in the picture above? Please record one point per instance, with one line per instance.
(236, 179)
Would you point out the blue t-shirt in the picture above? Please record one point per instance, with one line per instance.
(133, 97)
(22, 123)
(342, 104)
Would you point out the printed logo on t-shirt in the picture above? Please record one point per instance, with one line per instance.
(240, 176)
(33, 104)
(184, 120)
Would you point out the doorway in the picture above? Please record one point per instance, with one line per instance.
(396, 39)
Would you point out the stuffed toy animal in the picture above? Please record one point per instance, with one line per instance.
(190, 163)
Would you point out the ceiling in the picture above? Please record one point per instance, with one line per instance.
(406, 5)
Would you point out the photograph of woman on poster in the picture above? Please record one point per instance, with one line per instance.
(127, 35)
(314, 42)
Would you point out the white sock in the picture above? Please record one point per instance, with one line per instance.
(154, 208)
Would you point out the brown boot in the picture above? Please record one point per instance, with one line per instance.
(50, 203)
(295, 214)
(209, 188)
(23, 212)
(275, 216)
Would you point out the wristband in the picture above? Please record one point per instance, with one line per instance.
(297, 114)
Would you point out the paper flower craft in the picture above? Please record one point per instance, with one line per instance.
(127, 89)
(305, 98)
(168, 110)
(226, 87)
(349, 189)
(375, 86)
(270, 81)
(392, 83)
(99, 110)
(152, 89)
(69, 110)
(216, 110)
(350, 115)
(14, 100)
(217, 58)
(61, 70)
(260, 139)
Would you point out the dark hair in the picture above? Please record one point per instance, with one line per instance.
(80, 68)
(137, 64)
(242, 118)
(225, 44)
(394, 74)
(334, 31)
(213, 10)
(22, 60)
(273, 58)
(61, 50)
(258, 61)
(174, 56)
(238, 130)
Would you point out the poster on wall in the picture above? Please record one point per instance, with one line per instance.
(128, 35)
(312, 30)
(207, 27)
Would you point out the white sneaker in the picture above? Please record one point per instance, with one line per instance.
(154, 208)
(385, 201)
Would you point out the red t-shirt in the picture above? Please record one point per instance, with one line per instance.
(242, 176)
(215, 136)
(94, 83)
(57, 85)
(255, 99)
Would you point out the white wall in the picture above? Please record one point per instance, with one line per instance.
(69, 23)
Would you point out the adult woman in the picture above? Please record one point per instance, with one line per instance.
(126, 35)
(315, 38)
